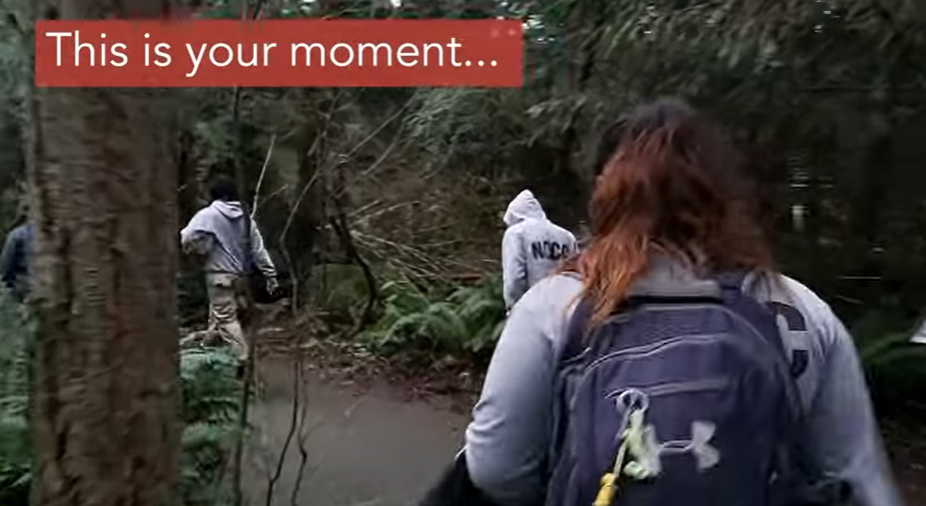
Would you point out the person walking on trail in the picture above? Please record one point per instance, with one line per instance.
(217, 233)
(668, 363)
(14, 261)
(532, 246)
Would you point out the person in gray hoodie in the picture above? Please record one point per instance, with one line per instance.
(217, 233)
(532, 246)
(668, 211)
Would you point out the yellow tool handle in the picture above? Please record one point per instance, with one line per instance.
(606, 492)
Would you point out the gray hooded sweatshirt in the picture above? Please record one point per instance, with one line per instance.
(509, 436)
(532, 247)
(220, 225)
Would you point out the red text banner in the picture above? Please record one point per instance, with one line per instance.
(275, 53)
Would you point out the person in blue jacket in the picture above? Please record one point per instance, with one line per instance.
(15, 259)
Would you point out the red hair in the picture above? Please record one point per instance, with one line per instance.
(669, 184)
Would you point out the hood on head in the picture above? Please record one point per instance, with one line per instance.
(524, 206)
(231, 210)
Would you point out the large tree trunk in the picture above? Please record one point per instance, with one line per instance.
(104, 188)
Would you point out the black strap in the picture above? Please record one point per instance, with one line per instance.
(576, 333)
(793, 463)
(732, 280)
(455, 488)
(250, 265)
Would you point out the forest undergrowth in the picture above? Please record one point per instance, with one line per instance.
(210, 394)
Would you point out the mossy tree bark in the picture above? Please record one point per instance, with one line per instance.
(104, 188)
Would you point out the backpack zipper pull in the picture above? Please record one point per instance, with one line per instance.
(632, 424)
(633, 438)
(608, 486)
(644, 451)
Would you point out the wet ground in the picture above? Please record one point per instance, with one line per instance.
(364, 447)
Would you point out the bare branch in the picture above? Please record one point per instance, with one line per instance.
(305, 189)
(271, 485)
(293, 278)
(339, 223)
(245, 402)
(372, 166)
(378, 129)
(260, 180)
(303, 451)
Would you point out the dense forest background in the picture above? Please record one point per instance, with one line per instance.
(382, 206)
(825, 97)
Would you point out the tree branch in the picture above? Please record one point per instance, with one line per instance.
(293, 422)
(260, 180)
(243, 408)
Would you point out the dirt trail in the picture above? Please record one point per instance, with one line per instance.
(366, 447)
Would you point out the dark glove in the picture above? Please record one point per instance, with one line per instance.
(272, 286)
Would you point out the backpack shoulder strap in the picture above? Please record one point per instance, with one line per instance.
(792, 461)
(246, 246)
(731, 280)
(752, 310)
(576, 331)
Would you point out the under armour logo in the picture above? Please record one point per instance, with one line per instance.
(640, 440)
(706, 456)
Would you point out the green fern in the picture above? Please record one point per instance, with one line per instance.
(15, 448)
(890, 350)
(210, 393)
(881, 345)
(210, 402)
(405, 296)
(892, 364)
(486, 337)
(467, 321)
(208, 384)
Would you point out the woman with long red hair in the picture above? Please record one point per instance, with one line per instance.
(671, 214)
